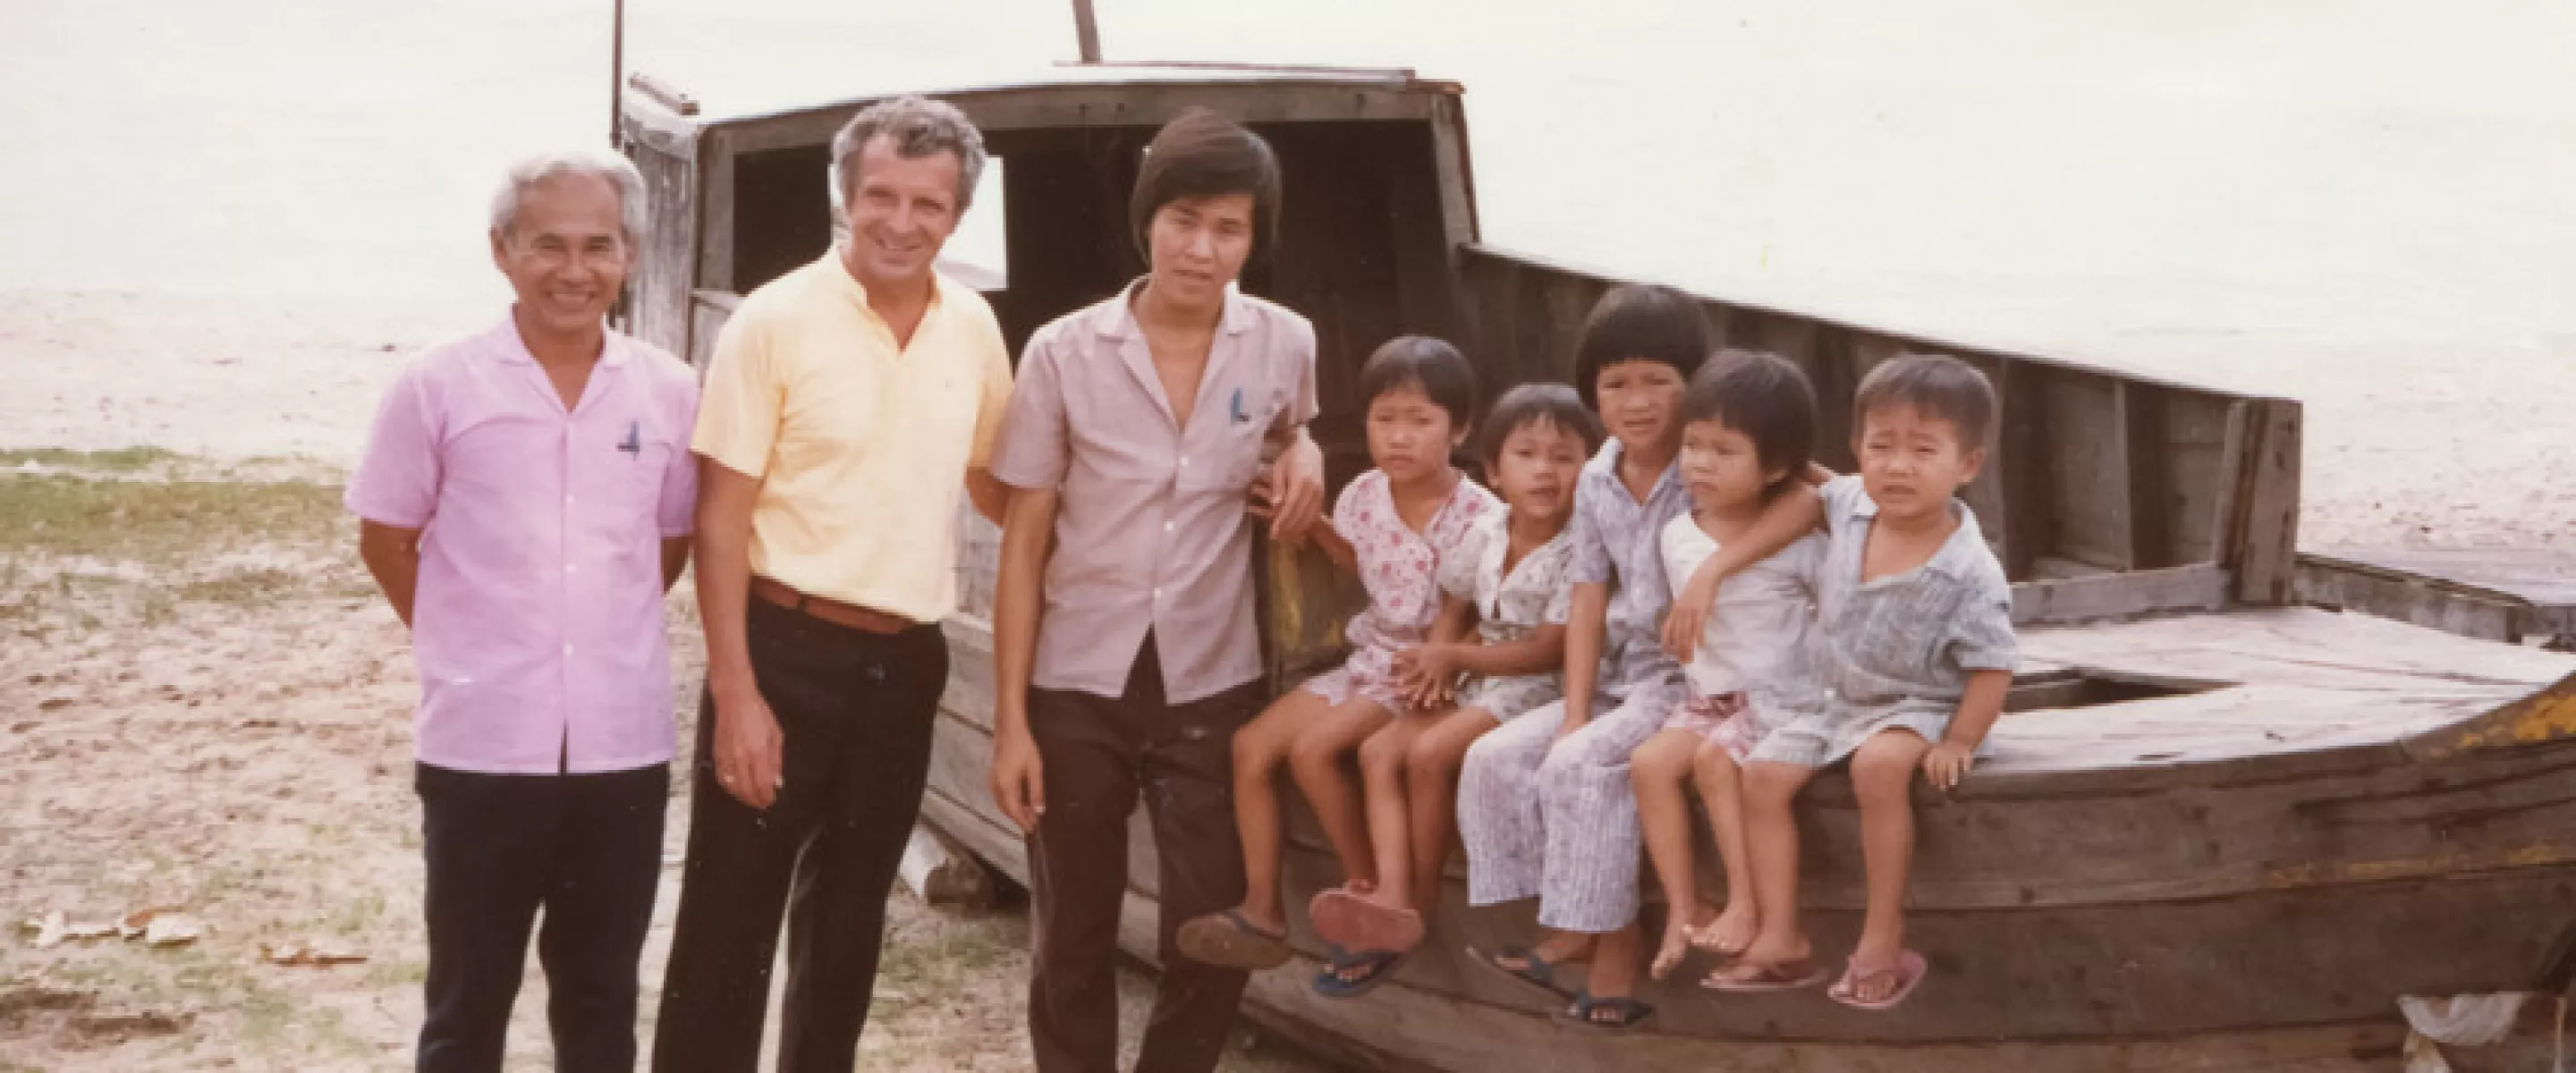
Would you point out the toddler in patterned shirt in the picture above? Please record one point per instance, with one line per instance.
(1511, 580)
(1393, 526)
(1914, 651)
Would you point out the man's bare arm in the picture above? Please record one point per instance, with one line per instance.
(675, 558)
(748, 747)
(392, 555)
(989, 495)
(1017, 777)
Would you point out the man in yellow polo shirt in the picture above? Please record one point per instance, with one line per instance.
(848, 404)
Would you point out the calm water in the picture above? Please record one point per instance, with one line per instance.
(2280, 196)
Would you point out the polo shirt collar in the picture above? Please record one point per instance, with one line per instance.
(1958, 554)
(836, 269)
(512, 348)
(1117, 319)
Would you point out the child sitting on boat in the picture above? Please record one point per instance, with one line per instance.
(1749, 423)
(1544, 805)
(1914, 655)
(1509, 579)
(1393, 525)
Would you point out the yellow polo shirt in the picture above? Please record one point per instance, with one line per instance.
(862, 445)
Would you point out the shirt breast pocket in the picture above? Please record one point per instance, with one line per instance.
(1228, 460)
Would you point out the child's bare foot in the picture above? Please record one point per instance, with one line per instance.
(1731, 932)
(1559, 948)
(1769, 965)
(1678, 940)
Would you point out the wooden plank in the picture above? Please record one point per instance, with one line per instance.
(2198, 587)
(2334, 583)
(708, 312)
(2021, 468)
(2268, 545)
(2235, 481)
(657, 295)
(1143, 104)
(2191, 439)
(2543, 580)
(2086, 471)
(2143, 456)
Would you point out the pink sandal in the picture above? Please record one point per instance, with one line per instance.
(1357, 923)
(1907, 974)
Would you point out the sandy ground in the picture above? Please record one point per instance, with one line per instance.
(207, 710)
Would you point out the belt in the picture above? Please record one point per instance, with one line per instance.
(832, 611)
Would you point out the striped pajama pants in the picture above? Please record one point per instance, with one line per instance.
(1560, 824)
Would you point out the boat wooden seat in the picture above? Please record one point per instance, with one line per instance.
(2255, 682)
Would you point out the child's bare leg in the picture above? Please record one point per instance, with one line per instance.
(1387, 800)
(1260, 748)
(1431, 796)
(1721, 790)
(1315, 759)
(1883, 779)
(1614, 963)
(1771, 843)
(1657, 771)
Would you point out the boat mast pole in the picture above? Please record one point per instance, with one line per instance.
(616, 70)
(1086, 30)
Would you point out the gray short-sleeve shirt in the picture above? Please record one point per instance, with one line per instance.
(1150, 529)
(1618, 541)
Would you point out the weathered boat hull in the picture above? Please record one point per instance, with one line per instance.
(2255, 914)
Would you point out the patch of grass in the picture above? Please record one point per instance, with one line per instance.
(158, 523)
(120, 460)
(244, 587)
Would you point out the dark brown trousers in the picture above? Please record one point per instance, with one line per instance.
(1101, 755)
(856, 710)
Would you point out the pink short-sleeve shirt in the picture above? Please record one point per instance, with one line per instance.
(537, 623)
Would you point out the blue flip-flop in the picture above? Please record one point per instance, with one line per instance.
(1626, 1013)
(1376, 967)
(1536, 972)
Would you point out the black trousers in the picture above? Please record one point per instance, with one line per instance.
(856, 711)
(588, 849)
(1100, 755)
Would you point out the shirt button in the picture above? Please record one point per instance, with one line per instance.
(567, 501)
(567, 649)
(1167, 527)
(567, 568)
(1185, 461)
(1158, 592)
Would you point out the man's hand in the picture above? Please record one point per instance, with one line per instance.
(1688, 619)
(750, 751)
(1290, 491)
(1948, 763)
(1018, 777)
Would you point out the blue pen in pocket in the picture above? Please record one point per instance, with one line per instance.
(633, 444)
(1235, 408)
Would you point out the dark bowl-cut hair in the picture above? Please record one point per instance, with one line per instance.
(1202, 154)
(1429, 365)
(1764, 396)
(1639, 322)
(1538, 404)
(1935, 385)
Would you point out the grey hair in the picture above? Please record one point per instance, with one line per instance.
(919, 126)
(617, 170)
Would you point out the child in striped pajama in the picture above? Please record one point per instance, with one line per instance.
(1544, 804)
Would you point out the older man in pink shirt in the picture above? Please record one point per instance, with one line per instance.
(525, 501)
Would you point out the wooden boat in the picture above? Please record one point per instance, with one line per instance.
(2220, 829)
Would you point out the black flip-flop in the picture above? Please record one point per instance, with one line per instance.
(1231, 940)
(1628, 1013)
(1535, 971)
(1376, 965)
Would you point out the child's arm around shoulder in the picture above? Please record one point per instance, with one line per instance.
(1797, 511)
(1983, 645)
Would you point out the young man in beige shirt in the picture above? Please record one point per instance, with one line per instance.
(1127, 654)
(847, 405)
